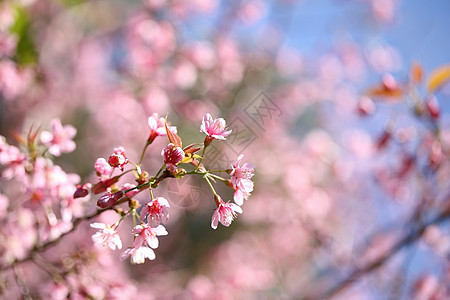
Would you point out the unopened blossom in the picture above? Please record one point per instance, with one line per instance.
(108, 200)
(147, 235)
(224, 213)
(102, 167)
(157, 211)
(60, 139)
(157, 127)
(131, 193)
(82, 190)
(214, 129)
(172, 156)
(118, 159)
(139, 254)
(241, 180)
(106, 236)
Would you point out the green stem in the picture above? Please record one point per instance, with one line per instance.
(151, 192)
(201, 158)
(210, 185)
(137, 187)
(218, 177)
(163, 166)
(205, 173)
(143, 153)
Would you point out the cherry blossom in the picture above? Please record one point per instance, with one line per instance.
(60, 139)
(131, 193)
(214, 128)
(225, 213)
(138, 254)
(118, 159)
(172, 156)
(102, 167)
(157, 127)
(241, 180)
(146, 234)
(157, 211)
(106, 236)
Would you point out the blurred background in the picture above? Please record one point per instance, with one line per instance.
(324, 99)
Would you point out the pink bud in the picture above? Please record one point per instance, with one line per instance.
(108, 200)
(82, 190)
(366, 106)
(389, 82)
(433, 107)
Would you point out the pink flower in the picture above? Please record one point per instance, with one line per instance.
(225, 213)
(241, 180)
(214, 129)
(240, 195)
(60, 139)
(102, 167)
(172, 156)
(13, 160)
(157, 210)
(118, 159)
(139, 254)
(146, 234)
(157, 127)
(106, 236)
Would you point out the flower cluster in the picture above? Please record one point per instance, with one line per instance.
(154, 214)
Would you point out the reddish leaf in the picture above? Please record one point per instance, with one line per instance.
(101, 186)
(173, 137)
(191, 148)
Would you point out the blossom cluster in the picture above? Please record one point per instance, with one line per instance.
(154, 214)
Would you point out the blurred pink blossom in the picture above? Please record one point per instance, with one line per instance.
(102, 167)
(138, 254)
(241, 180)
(106, 236)
(60, 139)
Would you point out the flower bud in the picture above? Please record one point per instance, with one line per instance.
(433, 107)
(82, 190)
(366, 106)
(108, 200)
